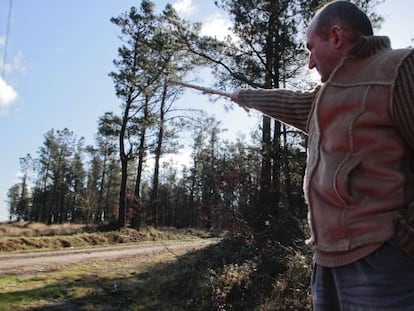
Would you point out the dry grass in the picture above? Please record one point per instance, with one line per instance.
(31, 229)
(231, 275)
(27, 236)
(128, 284)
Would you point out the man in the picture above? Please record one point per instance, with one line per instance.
(359, 182)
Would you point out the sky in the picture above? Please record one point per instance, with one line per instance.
(54, 71)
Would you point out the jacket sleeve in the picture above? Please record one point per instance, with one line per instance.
(403, 100)
(290, 107)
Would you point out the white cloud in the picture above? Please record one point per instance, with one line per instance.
(2, 40)
(184, 158)
(16, 64)
(217, 26)
(7, 96)
(184, 7)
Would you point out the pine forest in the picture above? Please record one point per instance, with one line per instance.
(124, 179)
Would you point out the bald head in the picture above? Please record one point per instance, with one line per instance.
(345, 14)
(332, 33)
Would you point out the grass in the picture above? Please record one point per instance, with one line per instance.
(132, 284)
(230, 275)
(27, 236)
(28, 228)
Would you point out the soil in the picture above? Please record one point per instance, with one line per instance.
(48, 260)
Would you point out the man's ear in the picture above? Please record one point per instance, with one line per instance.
(336, 36)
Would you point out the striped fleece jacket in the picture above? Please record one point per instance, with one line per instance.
(359, 183)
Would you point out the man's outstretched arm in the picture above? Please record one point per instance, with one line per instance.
(290, 107)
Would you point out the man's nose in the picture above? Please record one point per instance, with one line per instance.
(311, 62)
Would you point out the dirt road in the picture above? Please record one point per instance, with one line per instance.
(43, 261)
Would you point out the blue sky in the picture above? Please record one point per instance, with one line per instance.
(59, 54)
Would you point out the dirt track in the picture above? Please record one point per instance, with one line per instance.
(44, 261)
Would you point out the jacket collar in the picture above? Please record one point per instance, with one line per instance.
(369, 45)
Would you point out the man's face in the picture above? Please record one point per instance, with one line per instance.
(322, 55)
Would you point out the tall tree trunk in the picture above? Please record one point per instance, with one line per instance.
(124, 166)
(265, 175)
(101, 209)
(141, 158)
(288, 182)
(192, 216)
(154, 201)
(122, 192)
(276, 167)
